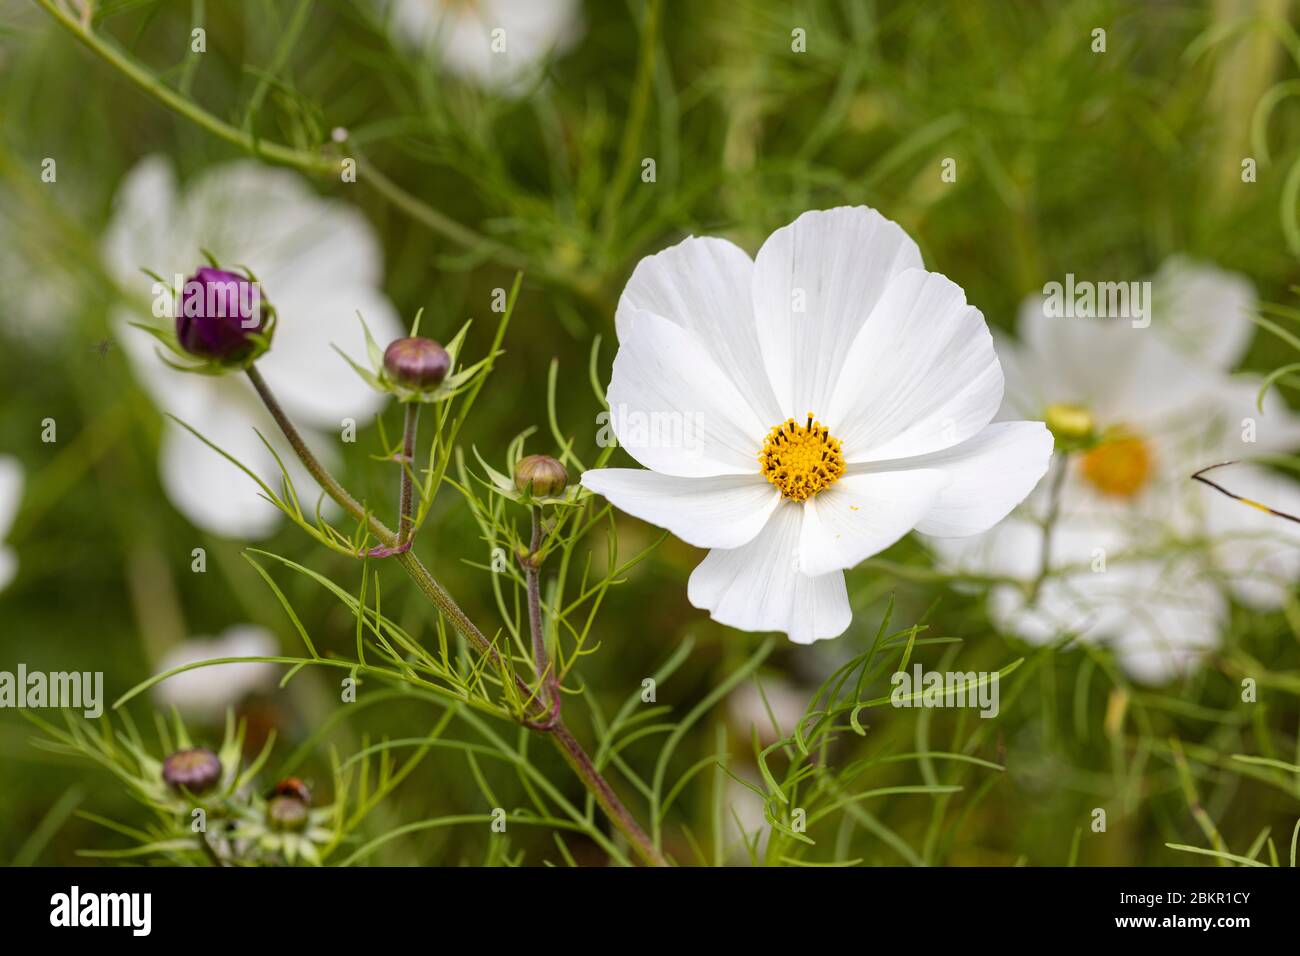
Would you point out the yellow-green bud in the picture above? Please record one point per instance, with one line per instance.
(540, 476)
(1069, 424)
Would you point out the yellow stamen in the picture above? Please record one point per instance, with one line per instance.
(1119, 466)
(801, 460)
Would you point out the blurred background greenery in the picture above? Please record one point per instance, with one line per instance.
(1067, 160)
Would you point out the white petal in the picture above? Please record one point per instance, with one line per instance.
(140, 233)
(756, 587)
(248, 214)
(815, 282)
(208, 691)
(210, 491)
(11, 491)
(1173, 621)
(1205, 310)
(311, 379)
(988, 475)
(861, 515)
(673, 409)
(463, 37)
(1259, 552)
(705, 285)
(716, 512)
(1121, 373)
(920, 376)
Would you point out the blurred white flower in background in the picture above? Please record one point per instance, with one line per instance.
(785, 701)
(500, 45)
(11, 495)
(1141, 553)
(834, 322)
(206, 692)
(318, 263)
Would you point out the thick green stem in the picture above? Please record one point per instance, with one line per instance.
(564, 740)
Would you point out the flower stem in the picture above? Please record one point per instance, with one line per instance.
(1053, 512)
(405, 523)
(533, 574)
(311, 163)
(563, 739)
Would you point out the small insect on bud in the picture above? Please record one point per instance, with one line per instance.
(217, 313)
(1069, 424)
(417, 363)
(196, 770)
(289, 804)
(541, 476)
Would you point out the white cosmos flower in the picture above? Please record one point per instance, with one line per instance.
(318, 262)
(500, 45)
(1139, 552)
(206, 692)
(11, 495)
(835, 323)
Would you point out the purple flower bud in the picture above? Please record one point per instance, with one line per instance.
(541, 476)
(216, 314)
(417, 363)
(196, 769)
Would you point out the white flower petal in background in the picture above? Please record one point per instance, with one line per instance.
(11, 495)
(463, 38)
(318, 263)
(846, 325)
(785, 702)
(1206, 310)
(1128, 554)
(206, 692)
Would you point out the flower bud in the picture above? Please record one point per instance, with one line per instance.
(1069, 424)
(541, 476)
(196, 770)
(417, 363)
(292, 787)
(286, 812)
(217, 313)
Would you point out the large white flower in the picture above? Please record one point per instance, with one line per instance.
(206, 692)
(318, 262)
(1139, 554)
(805, 410)
(11, 494)
(500, 45)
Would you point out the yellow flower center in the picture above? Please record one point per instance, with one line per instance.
(1120, 465)
(801, 460)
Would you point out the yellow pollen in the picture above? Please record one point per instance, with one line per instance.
(801, 460)
(1120, 465)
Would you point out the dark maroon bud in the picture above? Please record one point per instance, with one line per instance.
(417, 363)
(292, 787)
(217, 313)
(196, 770)
(541, 476)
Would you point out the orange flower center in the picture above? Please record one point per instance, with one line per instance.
(801, 460)
(1119, 466)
